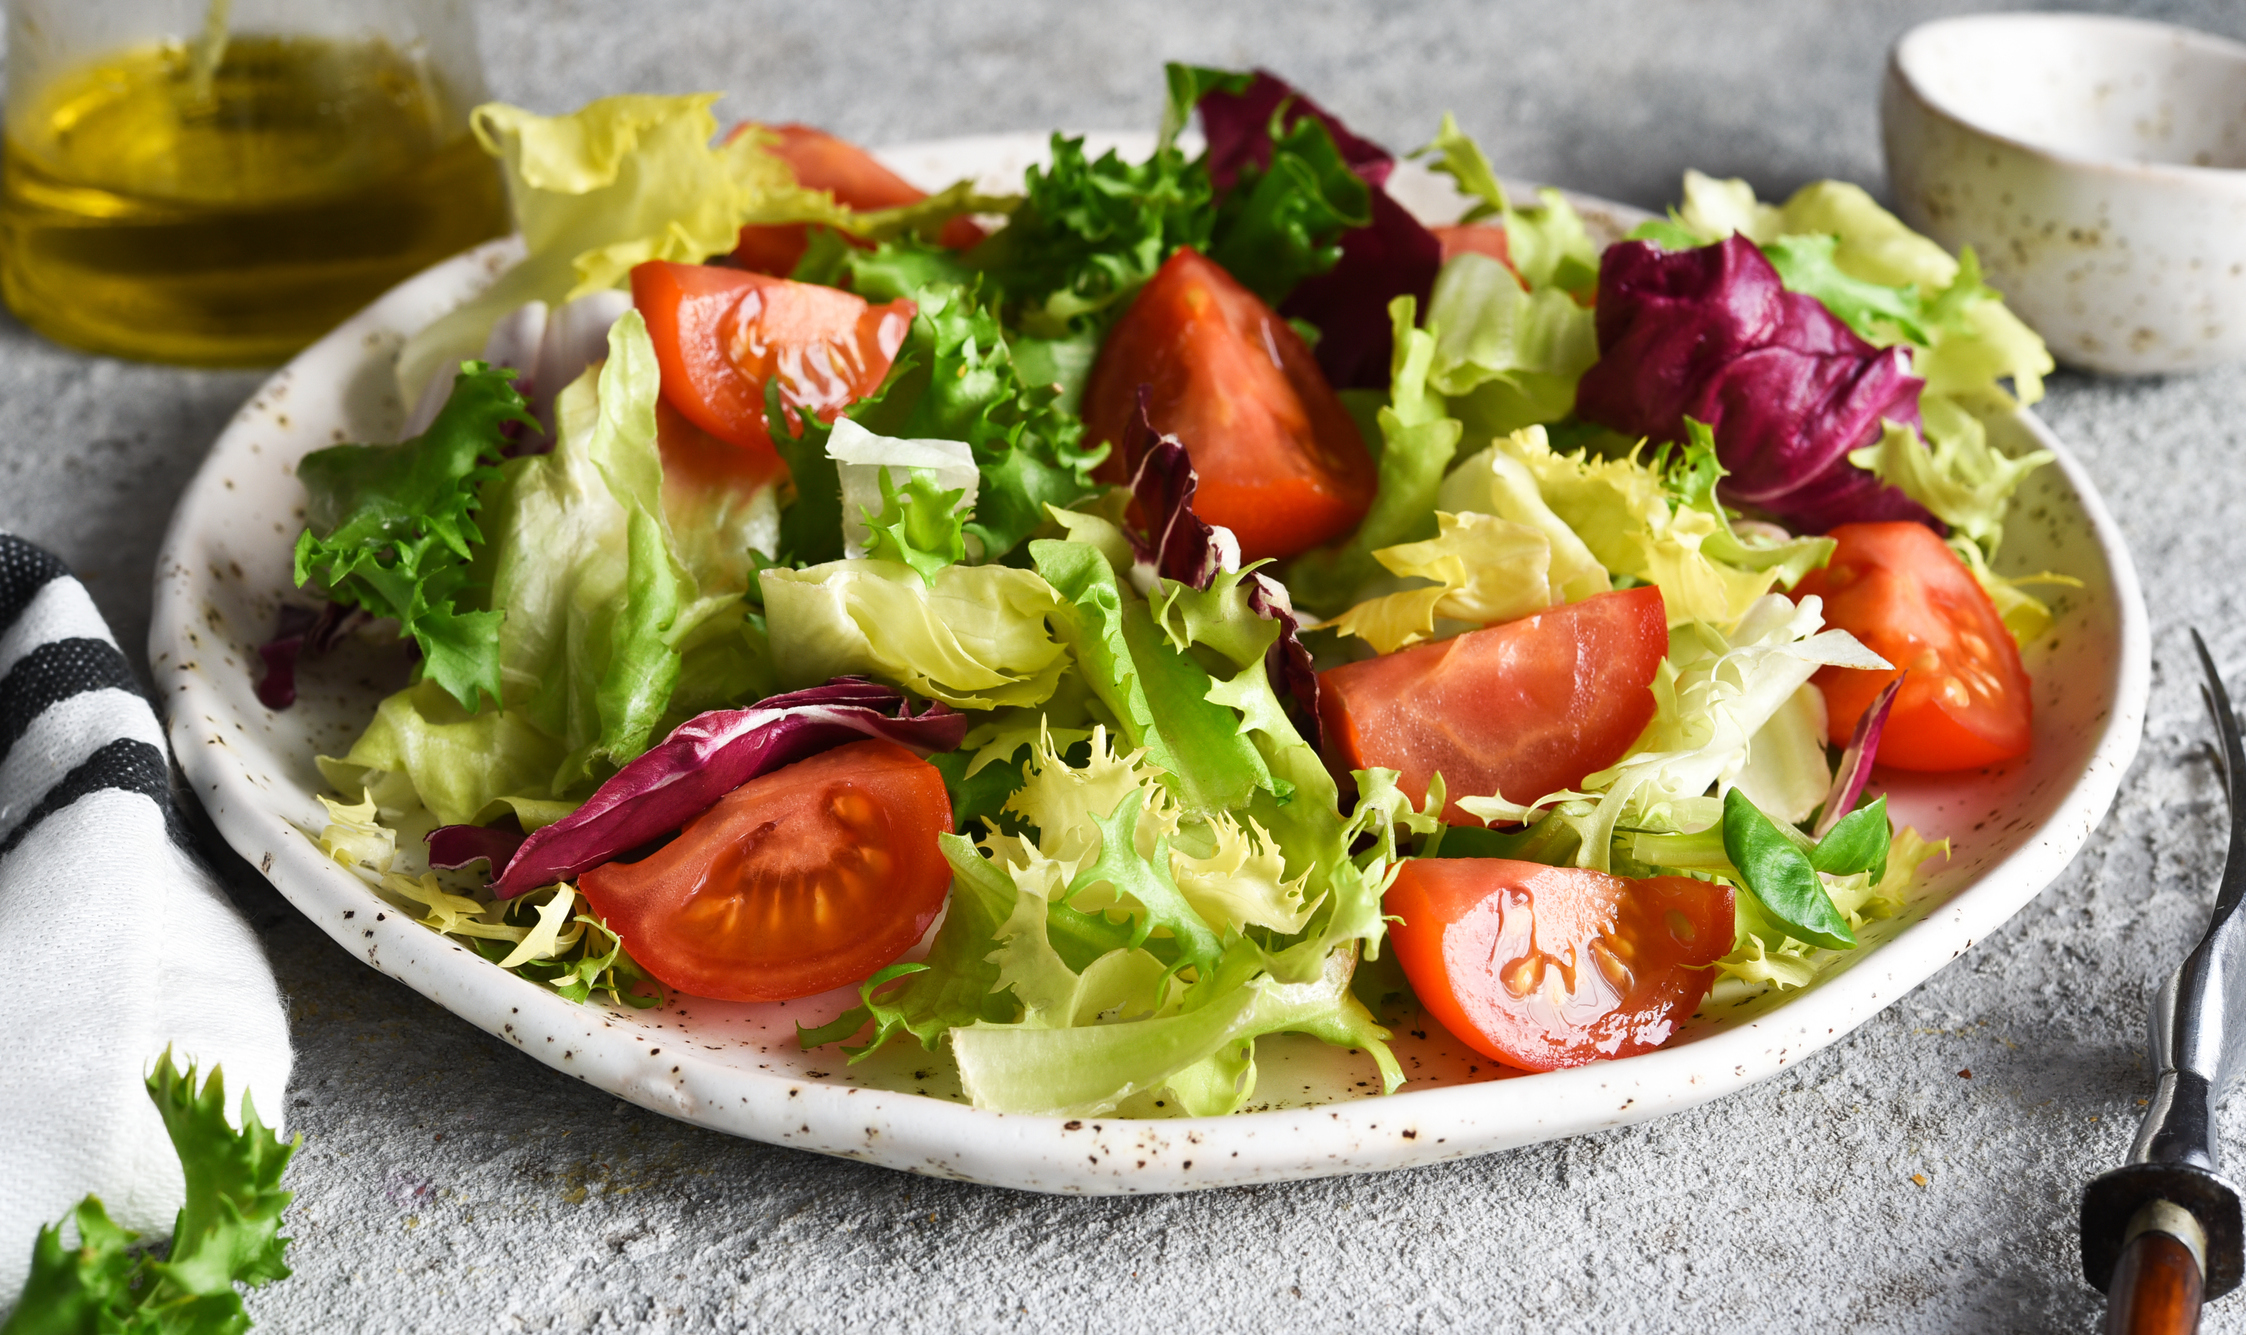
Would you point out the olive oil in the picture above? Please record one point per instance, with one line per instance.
(229, 214)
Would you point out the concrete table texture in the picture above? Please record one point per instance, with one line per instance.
(1920, 1175)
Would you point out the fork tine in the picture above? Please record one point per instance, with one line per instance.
(2234, 774)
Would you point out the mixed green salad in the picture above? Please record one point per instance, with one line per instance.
(1185, 601)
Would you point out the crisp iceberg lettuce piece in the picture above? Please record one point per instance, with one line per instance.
(974, 637)
(1485, 569)
(1505, 357)
(1204, 1054)
(1785, 773)
(598, 594)
(464, 768)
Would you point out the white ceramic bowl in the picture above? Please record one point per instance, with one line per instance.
(738, 1068)
(2096, 164)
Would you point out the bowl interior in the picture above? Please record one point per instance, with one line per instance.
(2088, 86)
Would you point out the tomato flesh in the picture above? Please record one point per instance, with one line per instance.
(1520, 709)
(1543, 967)
(721, 334)
(853, 176)
(1965, 700)
(1280, 462)
(1478, 239)
(800, 880)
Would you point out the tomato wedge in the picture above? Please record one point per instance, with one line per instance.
(1966, 700)
(1281, 462)
(1478, 239)
(720, 334)
(1520, 709)
(852, 175)
(800, 880)
(1543, 967)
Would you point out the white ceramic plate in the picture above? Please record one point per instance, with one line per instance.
(737, 1068)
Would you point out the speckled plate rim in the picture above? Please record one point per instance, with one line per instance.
(200, 658)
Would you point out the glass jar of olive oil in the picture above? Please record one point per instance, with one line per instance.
(219, 184)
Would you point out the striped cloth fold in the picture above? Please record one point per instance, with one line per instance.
(116, 941)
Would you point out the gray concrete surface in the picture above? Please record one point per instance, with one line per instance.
(450, 1184)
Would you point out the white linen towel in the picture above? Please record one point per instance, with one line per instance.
(117, 941)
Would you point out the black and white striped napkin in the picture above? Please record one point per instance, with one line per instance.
(114, 940)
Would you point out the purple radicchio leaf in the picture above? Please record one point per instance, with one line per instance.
(460, 845)
(707, 757)
(1855, 767)
(1179, 545)
(1710, 333)
(300, 632)
(1237, 127)
(1391, 257)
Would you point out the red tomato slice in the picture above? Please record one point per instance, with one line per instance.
(1543, 967)
(1520, 709)
(855, 178)
(1478, 239)
(720, 334)
(1281, 462)
(1966, 700)
(800, 880)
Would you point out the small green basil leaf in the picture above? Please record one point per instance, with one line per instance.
(1857, 842)
(1779, 875)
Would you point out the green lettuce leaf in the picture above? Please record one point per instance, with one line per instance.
(1089, 1069)
(1283, 223)
(955, 379)
(1965, 480)
(617, 182)
(596, 593)
(228, 1232)
(1780, 875)
(1505, 358)
(974, 637)
(1089, 233)
(392, 527)
(1484, 570)
(1418, 439)
(1546, 242)
(1157, 695)
(919, 526)
(467, 769)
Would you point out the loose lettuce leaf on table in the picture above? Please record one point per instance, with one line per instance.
(228, 1231)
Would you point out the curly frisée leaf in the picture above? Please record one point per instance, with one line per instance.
(1485, 569)
(228, 1231)
(617, 182)
(391, 527)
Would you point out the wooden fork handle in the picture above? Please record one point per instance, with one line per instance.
(2155, 1290)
